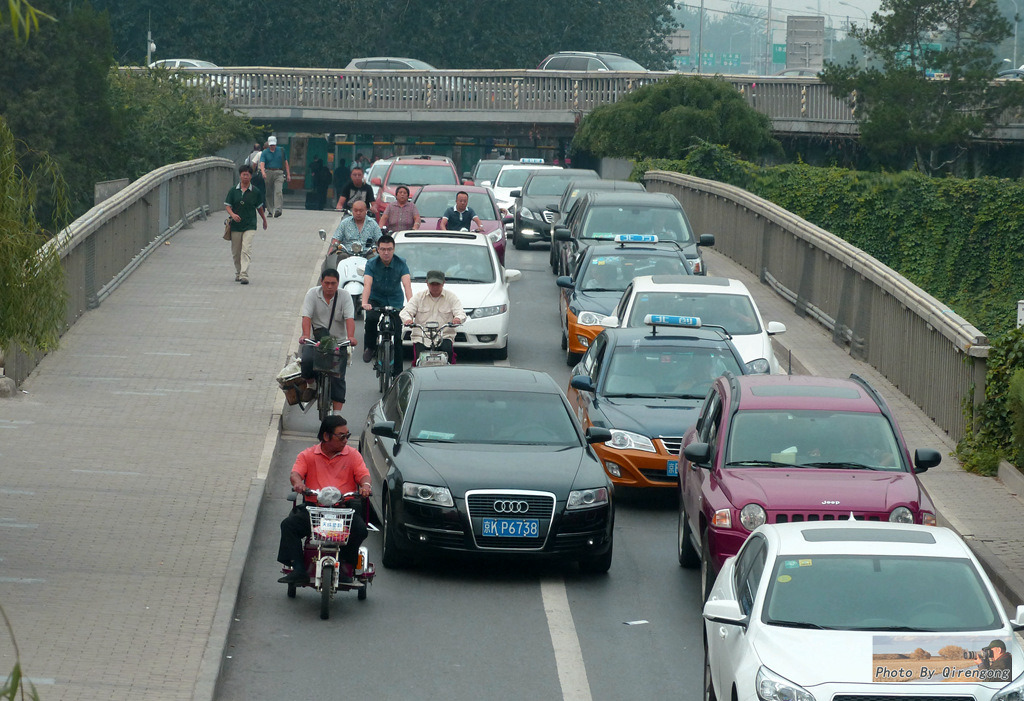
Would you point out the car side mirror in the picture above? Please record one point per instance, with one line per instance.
(776, 327)
(551, 208)
(699, 454)
(610, 322)
(385, 429)
(706, 240)
(515, 194)
(925, 458)
(582, 383)
(323, 235)
(511, 274)
(467, 176)
(562, 234)
(724, 611)
(1018, 621)
(564, 281)
(596, 434)
(508, 219)
(375, 181)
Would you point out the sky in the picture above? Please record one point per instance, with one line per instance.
(838, 13)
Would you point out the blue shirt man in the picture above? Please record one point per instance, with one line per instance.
(386, 282)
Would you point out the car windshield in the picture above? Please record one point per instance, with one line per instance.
(639, 371)
(486, 170)
(378, 169)
(813, 439)
(493, 418)
(621, 63)
(546, 184)
(605, 222)
(513, 177)
(871, 592)
(461, 263)
(434, 203)
(735, 313)
(415, 174)
(613, 273)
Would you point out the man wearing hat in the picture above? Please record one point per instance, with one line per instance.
(996, 657)
(274, 168)
(434, 304)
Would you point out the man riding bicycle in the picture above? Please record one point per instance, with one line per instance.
(434, 304)
(386, 282)
(331, 463)
(325, 312)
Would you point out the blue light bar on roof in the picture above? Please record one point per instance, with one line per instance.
(684, 322)
(636, 238)
(531, 160)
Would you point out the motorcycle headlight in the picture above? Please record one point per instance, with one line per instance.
(1014, 691)
(587, 498)
(901, 514)
(761, 366)
(752, 516)
(771, 687)
(590, 319)
(627, 440)
(481, 312)
(427, 494)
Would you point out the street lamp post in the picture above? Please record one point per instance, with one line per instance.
(866, 23)
(1016, 13)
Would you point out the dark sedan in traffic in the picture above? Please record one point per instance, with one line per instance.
(486, 460)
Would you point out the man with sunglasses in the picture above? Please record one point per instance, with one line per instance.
(331, 463)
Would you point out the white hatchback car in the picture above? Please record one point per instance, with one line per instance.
(511, 177)
(473, 272)
(842, 610)
(716, 301)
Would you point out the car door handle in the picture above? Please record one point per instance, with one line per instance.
(723, 632)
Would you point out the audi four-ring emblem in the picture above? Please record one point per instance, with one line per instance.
(508, 506)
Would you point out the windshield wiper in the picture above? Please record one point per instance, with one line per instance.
(450, 278)
(760, 463)
(431, 440)
(631, 395)
(797, 624)
(840, 465)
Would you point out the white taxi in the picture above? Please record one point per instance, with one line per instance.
(473, 273)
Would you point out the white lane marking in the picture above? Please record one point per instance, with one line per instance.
(21, 580)
(11, 523)
(108, 472)
(24, 492)
(572, 673)
(169, 353)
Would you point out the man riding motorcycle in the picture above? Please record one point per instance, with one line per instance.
(357, 229)
(434, 304)
(331, 463)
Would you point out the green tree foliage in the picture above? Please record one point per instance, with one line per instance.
(906, 118)
(445, 33)
(666, 119)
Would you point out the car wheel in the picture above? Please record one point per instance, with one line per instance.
(599, 564)
(518, 241)
(500, 353)
(707, 573)
(553, 260)
(688, 556)
(709, 687)
(390, 556)
(571, 358)
(565, 341)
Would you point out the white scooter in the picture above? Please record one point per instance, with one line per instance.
(350, 262)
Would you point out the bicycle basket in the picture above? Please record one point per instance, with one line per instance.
(329, 526)
(329, 359)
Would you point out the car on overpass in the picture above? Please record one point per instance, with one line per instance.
(488, 461)
(789, 448)
(589, 61)
(852, 610)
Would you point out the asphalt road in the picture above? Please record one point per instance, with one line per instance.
(459, 628)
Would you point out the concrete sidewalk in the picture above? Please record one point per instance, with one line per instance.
(126, 465)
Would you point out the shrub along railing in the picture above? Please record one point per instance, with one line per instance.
(934, 356)
(103, 246)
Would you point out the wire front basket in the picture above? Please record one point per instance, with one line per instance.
(329, 526)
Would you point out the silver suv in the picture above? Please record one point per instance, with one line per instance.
(589, 61)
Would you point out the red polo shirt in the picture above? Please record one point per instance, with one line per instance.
(344, 471)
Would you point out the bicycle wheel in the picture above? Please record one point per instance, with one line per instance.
(323, 395)
(385, 370)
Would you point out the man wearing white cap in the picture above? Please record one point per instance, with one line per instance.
(274, 168)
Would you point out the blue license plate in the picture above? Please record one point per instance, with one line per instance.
(672, 468)
(512, 527)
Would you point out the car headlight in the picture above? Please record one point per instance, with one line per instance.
(901, 514)
(771, 687)
(525, 212)
(388, 197)
(494, 236)
(627, 440)
(696, 265)
(481, 312)
(1014, 691)
(587, 498)
(590, 319)
(752, 516)
(427, 494)
(761, 366)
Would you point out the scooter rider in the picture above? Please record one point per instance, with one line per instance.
(359, 228)
(434, 304)
(326, 311)
(331, 463)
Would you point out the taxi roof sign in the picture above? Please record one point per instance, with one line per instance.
(636, 238)
(531, 160)
(682, 322)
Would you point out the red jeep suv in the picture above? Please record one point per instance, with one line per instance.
(782, 448)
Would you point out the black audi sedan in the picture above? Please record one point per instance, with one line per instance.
(486, 460)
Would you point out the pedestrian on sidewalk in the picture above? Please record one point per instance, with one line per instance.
(243, 202)
(275, 171)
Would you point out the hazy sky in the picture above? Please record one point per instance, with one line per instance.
(780, 8)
